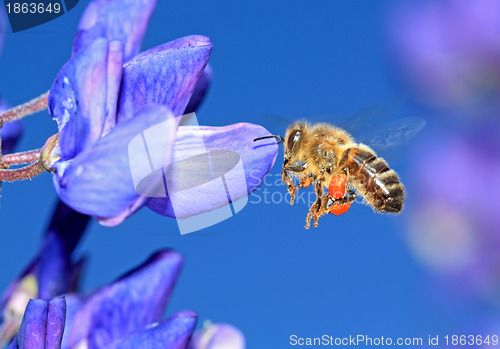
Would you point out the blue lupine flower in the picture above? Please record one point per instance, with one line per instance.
(51, 273)
(454, 224)
(449, 51)
(125, 314)
(100, 103)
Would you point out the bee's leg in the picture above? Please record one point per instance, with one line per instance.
(288, 180)
(349, 197)
(318, 210)
(341, 205)
(305, 181)
(315, 210)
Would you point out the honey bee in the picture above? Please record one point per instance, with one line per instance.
(340, 169)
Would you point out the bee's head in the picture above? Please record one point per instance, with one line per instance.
(293, 138)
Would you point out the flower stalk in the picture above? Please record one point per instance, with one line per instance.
(42, 158)
(31, 107)
(26, 172)
(21, 158)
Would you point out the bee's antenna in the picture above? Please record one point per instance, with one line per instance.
(281, 140)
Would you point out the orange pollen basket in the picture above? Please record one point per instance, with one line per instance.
(337, 191)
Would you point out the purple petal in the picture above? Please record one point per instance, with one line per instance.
(115, 67)
(43, 324)
(234, 155)
(129, 304)
(80, 96)
(165, 75)
(56, 317)
(98, 181)
(217, 336)
(200, 90)
(172, 333)
(124, 20)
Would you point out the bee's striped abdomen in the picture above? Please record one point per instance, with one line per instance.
(373, 178)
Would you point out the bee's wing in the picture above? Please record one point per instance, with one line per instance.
(382, 130)
(393, 134)
(369, 118)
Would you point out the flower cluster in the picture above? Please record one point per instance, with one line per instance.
(104, 96)
(108, 93)
(449, 52)
(125, 314)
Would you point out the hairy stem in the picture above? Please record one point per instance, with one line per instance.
(43, 158)
(35, 105)
(24, 157)
(19, 174)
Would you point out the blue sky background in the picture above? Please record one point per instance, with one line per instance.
(260, 270)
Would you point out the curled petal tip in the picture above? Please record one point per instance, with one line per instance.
(218, 336)
(186, 314)
(173, 333)
(172, 255)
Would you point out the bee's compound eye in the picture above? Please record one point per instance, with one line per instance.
(294, 137)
